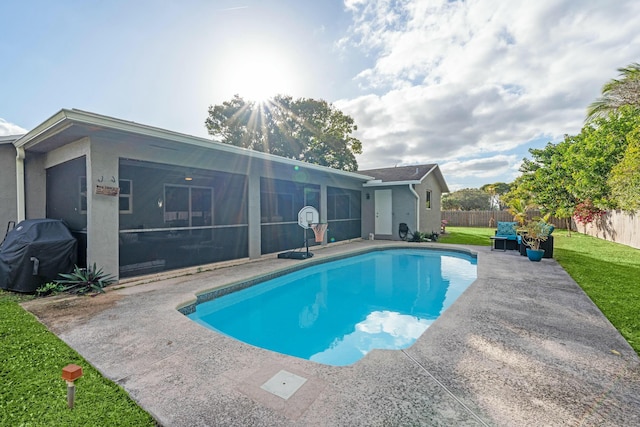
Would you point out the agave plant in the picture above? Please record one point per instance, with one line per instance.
(84, 280)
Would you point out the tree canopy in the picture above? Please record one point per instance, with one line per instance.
(304, 129)
(624, 179)
(467, 199)
(587, 173)
(545, 181)
(495, 192)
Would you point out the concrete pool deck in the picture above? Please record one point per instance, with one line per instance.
(522, 346)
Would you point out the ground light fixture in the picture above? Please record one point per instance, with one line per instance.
(70, 373)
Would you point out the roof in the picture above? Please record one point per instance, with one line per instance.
(69, 125)
(402, 175)
(8, 139)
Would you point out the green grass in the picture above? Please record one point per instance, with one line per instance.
(467, 236)
(609, 273)
(33, 392)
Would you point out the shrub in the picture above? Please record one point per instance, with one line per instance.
(50, 288)
(85, 280)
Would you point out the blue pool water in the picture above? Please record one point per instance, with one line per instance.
(335, 313)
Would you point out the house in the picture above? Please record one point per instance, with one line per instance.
(405, 194)
(141, 199)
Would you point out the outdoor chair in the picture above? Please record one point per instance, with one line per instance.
(507, 230)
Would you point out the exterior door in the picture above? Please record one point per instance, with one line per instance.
(383, 212)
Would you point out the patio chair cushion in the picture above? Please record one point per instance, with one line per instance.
(507, 230)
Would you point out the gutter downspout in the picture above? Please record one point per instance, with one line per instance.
(417, 206)
(20, 196)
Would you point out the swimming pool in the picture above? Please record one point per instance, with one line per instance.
(336, 312)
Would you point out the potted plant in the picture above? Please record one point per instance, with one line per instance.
(535, 232)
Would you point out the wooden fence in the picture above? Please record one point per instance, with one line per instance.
(615, 226)
(490, 218)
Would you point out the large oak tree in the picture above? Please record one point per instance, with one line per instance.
(304, 129)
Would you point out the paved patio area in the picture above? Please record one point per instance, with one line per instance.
(522, 346)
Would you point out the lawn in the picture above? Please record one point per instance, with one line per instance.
(33, 392)
(609, 273)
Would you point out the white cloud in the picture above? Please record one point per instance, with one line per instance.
(463, 80)
(7, 128)
(486, 168)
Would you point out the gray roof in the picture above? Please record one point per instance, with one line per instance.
(400, 173)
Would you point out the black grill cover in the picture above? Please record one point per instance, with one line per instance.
(34, 252)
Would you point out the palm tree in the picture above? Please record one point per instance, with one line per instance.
(617, 92)
(518, 208)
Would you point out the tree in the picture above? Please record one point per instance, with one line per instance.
(594, 152)
(303, 129)
(617, 93)
(545, 181)
(495, 191)
(624, 179)
(467, 199)
(518, 208)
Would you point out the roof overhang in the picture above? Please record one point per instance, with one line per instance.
(8, 139)
(440, 178)
(69, 125)
(379, 183)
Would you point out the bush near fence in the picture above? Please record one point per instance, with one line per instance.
(484, 218)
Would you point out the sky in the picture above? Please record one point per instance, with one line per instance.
(469, 85)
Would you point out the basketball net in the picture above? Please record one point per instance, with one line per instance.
(318, 231)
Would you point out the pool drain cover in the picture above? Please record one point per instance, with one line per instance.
(283, 384)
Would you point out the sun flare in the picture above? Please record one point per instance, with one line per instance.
(259, 74)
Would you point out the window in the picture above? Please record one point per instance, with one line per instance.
(188, 206)
(125, 196)
(427, 199)
(338, 206)
(312, 197)
(276, 207)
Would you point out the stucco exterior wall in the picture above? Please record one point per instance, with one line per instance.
(403, 209)
(102, 210)
(368, 220)
(35, 184)
(430, 218)
(8, 211)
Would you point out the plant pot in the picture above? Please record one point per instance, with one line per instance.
(535, 254)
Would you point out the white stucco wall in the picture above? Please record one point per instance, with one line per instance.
(102, 210)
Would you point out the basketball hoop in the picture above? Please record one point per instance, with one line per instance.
(318, 231)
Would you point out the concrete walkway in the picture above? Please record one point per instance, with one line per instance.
(522, 346)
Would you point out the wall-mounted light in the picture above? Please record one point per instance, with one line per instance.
(367, 196)
(160, 202)
(188, 177)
